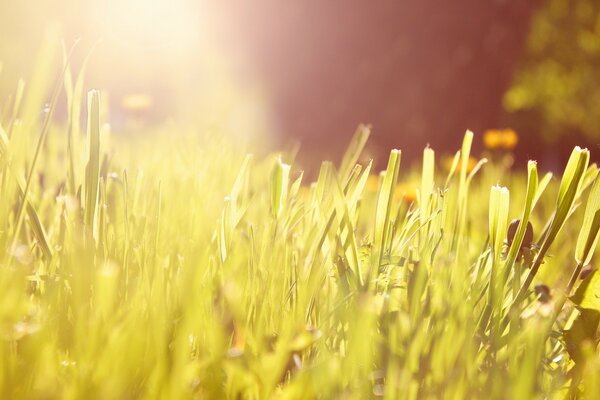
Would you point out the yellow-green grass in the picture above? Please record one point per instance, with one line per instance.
(172, 265)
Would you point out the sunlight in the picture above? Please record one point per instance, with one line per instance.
(172, 24)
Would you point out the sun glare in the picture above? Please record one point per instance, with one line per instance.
(172, 24)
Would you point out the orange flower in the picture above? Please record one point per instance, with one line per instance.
(492, 139)
(406, 193)
(500, 139)
(510, 139)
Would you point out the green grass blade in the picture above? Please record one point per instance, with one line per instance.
(543, 184)
(382, 214)
(453, 167)
(498, 218)
(355, 148)
(280, 179)
(584, 249)
(427, 186)
(92, 169)
(532, 189)
(463, 187)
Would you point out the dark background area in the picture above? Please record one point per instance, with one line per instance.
(418, 71)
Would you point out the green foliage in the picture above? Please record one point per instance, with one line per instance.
(587, 295)
(588, 236)
(558, 85)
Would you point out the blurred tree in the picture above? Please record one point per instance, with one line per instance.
(556, 91)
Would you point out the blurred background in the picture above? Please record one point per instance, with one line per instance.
(417, 71)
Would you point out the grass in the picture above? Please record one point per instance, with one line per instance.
(148, 267)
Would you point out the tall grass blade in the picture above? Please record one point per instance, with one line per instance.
(463, 186)
(427, 186)
(92, 169)
(357, 144)
(532, 189)
(382, 215)
(588, 235)
(280, 179)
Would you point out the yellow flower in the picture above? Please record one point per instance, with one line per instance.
(500, 139)
(405, 193)
(510, 139)
(492, 139)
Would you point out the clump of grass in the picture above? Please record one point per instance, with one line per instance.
(181, 269)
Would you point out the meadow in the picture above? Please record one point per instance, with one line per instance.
(174, 265)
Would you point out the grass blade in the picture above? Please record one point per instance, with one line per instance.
(382, 216)
(92, 170)
(584, 249)
(357, 144)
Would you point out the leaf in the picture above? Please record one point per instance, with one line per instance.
(93, 165)
(223, 238)
(382, 214)
(476, 169)
(18, 99)
(3, 142)
(463, 189)
(453, 167)
(304, 340)
(587, 295)
(280, 178)
(427, 185)
(356, 146)
(357, 190)
(38, 229)
(532, 189)
(350, 246)
(573, 172)
(498, 217)
(295, 188)
(40, 144)
(583, 332)
(239, 193)
(541, 188)
(464, 160)
(589, 230)
(74, 94)
(569, 188)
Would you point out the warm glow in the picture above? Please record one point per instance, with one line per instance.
(154, 24)
(137, 102)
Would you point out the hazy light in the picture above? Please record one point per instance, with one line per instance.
(137, 102)
(149, 23)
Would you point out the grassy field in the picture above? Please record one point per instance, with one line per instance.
(173, 266)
